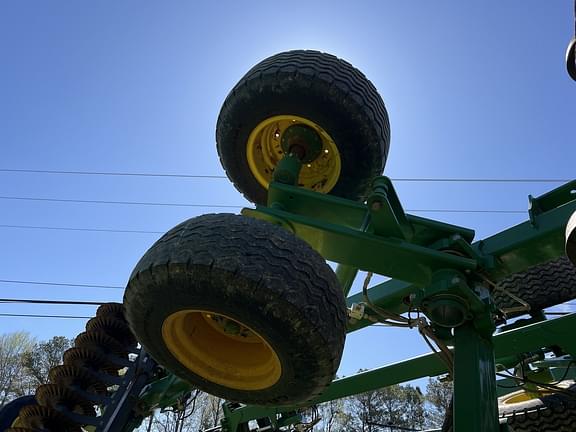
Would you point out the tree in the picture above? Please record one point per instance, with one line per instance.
(393, 406)
(13, 382)
(211, 411)
(438, 394)
(184, 417)
(333, 416)
(44, 356)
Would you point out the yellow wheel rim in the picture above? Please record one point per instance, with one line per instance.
(221, 350)
(264, 151)
(522, 396)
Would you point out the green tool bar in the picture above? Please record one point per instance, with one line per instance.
(331, 224)
(535, 241)
(388, 256)
(507, 345)
(558, 331)
(334, 210)
(388, 295)
(509, 385)
(346, 275)
(475, 404)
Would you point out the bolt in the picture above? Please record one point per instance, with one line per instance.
(376, 205)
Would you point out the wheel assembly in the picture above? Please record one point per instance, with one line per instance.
(540, 286)
(312, 104)
(85, 380)
(240, 308)
(548, 411)
(246, 308)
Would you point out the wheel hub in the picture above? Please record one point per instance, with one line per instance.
(277, 136)
(303, 141)
(221, 349)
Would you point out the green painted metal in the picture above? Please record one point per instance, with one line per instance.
(288, 169)
(505, 386)
(508, 348)
(346, 275)
(534, 241)
(235, 415)
(475, 405)
(405, 260)
(340, 211)
(387, 215)
(163, 393)
(435, 267)
(331, 225)
(302, 141)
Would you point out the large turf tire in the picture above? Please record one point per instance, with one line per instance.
(9, 412)
(256, 274)
(551, 413)
(541, 286)
(321, 88)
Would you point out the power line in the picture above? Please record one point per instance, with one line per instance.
(65, 284)
(118, 202)
(125, 231)
(43, 316)
(107, 173)
(202, 176)
(233, 206)
(81, 229)
(50, 302)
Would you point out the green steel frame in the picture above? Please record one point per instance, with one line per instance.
(435, 267)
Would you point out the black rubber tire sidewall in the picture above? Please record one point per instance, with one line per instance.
(318, 87)
(9, 412)
(540, 286)
(551, 413)
(256, 273)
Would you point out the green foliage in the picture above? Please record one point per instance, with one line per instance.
(43, 356)
(439, 395)
(13, 379)
(397, 405)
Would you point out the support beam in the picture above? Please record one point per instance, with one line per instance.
(475, 405)
(507, 346)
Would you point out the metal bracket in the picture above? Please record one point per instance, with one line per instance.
(388, 217)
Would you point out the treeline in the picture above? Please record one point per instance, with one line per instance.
(25, 362)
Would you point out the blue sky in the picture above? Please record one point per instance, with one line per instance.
(473, 89)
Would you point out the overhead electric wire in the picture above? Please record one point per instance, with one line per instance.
(207, 176)
(50, 302)
(42, 316)
(150, 203)
(64, 284)
(108, 173)
(118, 202)
(107, 230)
